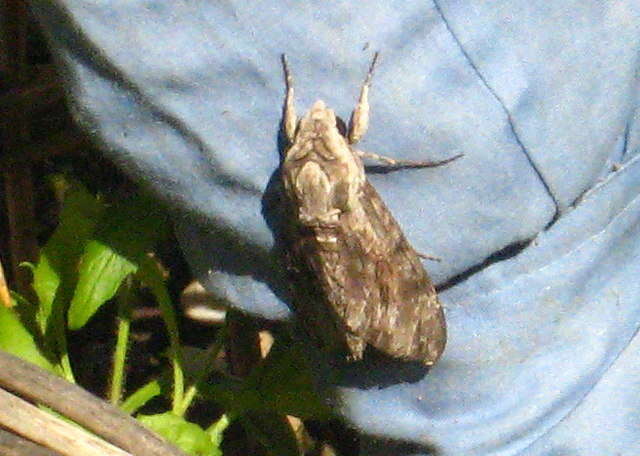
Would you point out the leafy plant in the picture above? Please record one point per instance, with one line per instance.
(98, 255)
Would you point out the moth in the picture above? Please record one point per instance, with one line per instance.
(356, 279)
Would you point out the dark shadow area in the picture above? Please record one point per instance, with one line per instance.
(273, 208)
(236, 256)
(377, 370)
(382, 447)
(374, 370)
(503, 254)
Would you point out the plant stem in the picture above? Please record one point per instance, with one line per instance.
(211, 354)
(217, 429)
(122, 342)
(141, 397)
(169, 317)
(60, 342)
(152, 277)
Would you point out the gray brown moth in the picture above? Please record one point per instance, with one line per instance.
(356, 280)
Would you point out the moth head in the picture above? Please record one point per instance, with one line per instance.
(320, 114)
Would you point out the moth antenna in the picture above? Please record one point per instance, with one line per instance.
(288, 80)
(359, 122)
(372, 67)
(289, 119)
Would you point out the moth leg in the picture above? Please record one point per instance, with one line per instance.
(405, 163)
(360, 116)
(289, 118)
(429, 257)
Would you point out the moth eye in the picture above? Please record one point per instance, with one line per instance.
(341, 126)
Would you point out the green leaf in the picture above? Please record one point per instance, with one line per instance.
(231, 394)
(129, 232)
(132, 227)
(56, 271)
(150, 275)
(17, 339)
(101, 273)
(283, 383)
(187, 436)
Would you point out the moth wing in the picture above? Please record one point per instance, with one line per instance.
(390, 300)
(360, 282)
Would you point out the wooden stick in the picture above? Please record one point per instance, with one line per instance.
(70, 400)
(15, 445)
(44, 428)
(18, 180)
(5, 297)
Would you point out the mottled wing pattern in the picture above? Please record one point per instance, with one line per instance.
(370, 286)
(357, 281)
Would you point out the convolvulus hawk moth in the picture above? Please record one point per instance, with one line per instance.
(356, 280)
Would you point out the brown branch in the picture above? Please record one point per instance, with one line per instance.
(14, 445)
(18, 180)
(70, 400)
(46, 429)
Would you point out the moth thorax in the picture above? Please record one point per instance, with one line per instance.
(314, 189)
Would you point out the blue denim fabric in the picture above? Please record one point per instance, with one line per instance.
(541, 97)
